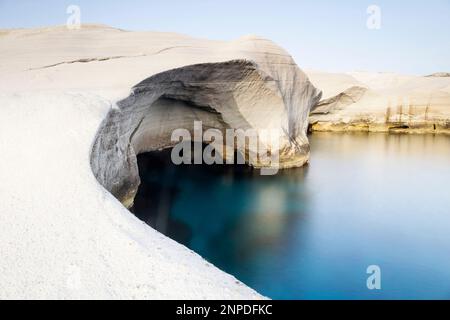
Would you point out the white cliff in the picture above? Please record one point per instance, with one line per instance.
(76, 105)
(381, 102)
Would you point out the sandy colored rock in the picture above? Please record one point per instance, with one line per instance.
(381, 102)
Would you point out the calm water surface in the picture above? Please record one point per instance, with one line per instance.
(311, 233)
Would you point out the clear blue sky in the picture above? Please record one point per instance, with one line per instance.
(321, 34)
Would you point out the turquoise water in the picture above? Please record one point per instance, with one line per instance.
(311, 233)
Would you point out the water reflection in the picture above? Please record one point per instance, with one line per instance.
(311, 232)
(234, 212)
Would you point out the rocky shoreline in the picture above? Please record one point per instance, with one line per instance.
(405, 127)
(381, 102)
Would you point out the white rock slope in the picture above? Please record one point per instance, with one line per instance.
(62, 235)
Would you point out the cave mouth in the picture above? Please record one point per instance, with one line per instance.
(237, 94)
(229, 214)
(162, 182)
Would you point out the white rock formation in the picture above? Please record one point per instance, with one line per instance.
(62, 235)
(381, 102)
(240, 94)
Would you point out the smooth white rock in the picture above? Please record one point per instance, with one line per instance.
(62, 235)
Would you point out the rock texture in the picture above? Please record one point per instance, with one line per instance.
(98, 96)
(381, 102)
(237, 94)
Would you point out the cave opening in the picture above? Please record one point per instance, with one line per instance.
(160, 186)
(231, 215)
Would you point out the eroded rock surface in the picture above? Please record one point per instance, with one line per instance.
(381, 102)
(236, 94)
(246, 83)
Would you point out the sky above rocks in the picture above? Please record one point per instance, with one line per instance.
(400, 36)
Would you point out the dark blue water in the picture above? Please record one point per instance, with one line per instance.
(311, 233)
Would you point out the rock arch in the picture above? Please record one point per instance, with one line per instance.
(238, 94)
